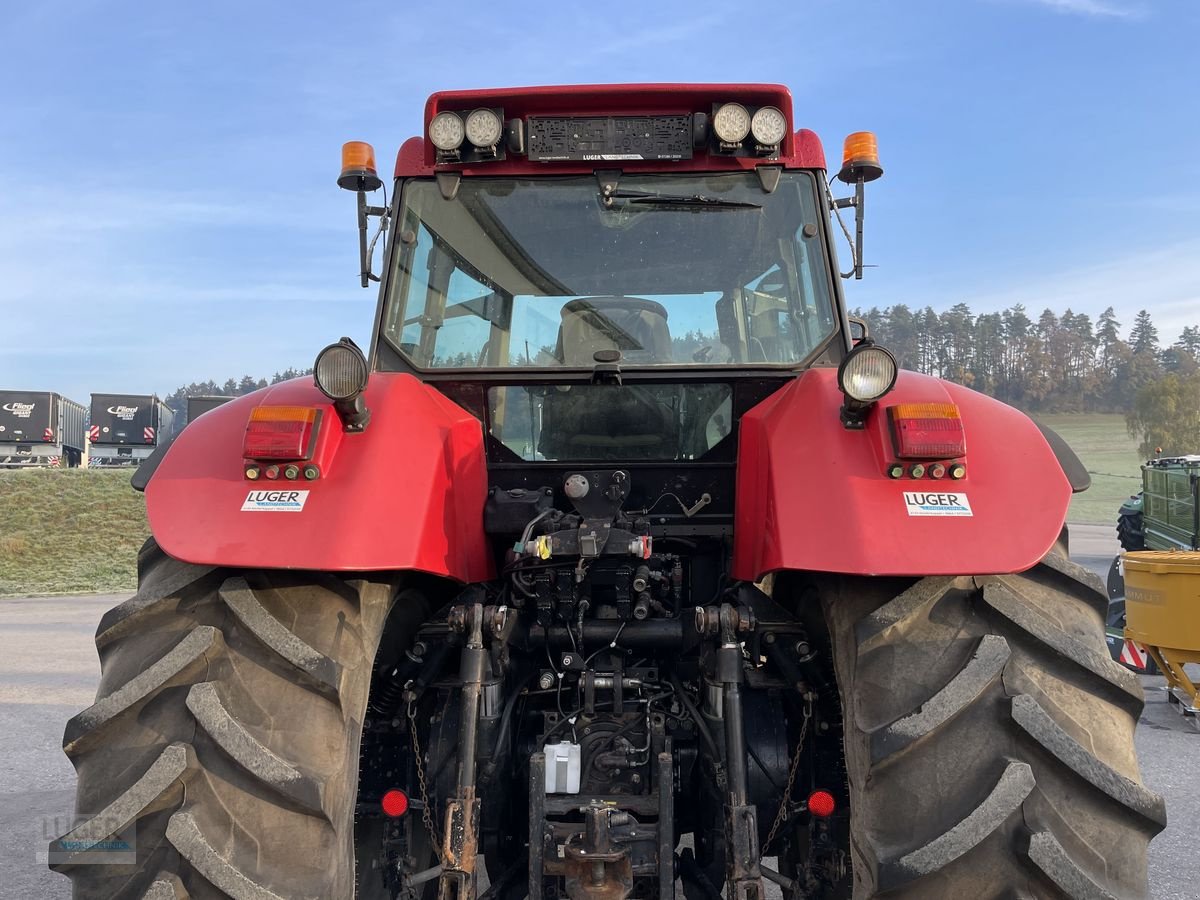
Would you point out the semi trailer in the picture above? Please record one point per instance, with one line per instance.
(40, 428)
(124, 429)
(197, 406)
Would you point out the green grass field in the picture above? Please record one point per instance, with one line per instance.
(74, 531)
(67, 531)
(1111, 456)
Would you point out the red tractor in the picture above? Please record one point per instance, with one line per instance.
(623, 564)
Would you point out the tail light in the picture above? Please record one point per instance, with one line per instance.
(927, 431)
(821, 804)
(48, 435)
(394, 803)
(281, 432)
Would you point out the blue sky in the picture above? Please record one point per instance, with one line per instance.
(168, 210)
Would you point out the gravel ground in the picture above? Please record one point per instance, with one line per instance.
(48, 672)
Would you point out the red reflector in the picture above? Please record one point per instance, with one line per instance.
(394, 803)
(281, 432)
(927, 431)
(821, 804)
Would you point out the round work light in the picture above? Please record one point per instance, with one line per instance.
(867, 373)
(731, 123)
(484, 128)
(768, 126)
(446, 131)
(340, 371)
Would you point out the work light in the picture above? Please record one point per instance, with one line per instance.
(731, 122)
(446, 131)
(768, 126)
(867, 373)
(483, 128)
(340, 371)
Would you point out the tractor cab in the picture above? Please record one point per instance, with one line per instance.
(649, 239)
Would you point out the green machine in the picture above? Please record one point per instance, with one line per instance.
(1166, 515)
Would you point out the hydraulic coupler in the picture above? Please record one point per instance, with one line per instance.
(460, 840)
(742, 871)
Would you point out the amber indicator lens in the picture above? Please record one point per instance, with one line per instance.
(280, 432)
(927, 430)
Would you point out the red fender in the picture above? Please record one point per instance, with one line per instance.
(814, 495)
(407, 493)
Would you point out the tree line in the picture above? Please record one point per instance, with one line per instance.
(233, 387)
(1054, 363)
(1058, 363)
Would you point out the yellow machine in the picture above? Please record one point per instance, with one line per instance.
(1162, 608)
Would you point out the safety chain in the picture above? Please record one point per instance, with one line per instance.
(782, 815)
(426, 809)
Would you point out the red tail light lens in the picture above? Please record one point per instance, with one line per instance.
(281, 432)
(394, 803)
(821, 804)
(927, 431)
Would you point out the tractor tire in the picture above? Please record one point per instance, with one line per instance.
(1131, 532)
(224, 741)
(989, 738)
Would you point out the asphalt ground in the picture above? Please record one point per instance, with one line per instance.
(48, 672)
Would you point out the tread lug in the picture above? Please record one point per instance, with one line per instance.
(171, 769)
(178, 664)
(1049, 856)
(185, 836)
(1005, 798)
(1038, 724)
(1009, 604)
(981, 670)
(321, 669)
(205, 704)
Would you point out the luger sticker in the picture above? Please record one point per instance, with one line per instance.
(932, 504)
(275, 501)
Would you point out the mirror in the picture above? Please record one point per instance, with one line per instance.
(858, 331)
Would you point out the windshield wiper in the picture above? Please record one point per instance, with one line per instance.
(694, 201)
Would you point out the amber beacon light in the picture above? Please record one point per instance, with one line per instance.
(358, 167)
(860, 158)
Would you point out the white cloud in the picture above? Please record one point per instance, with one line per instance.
(1164, 281)
(1094, 8)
